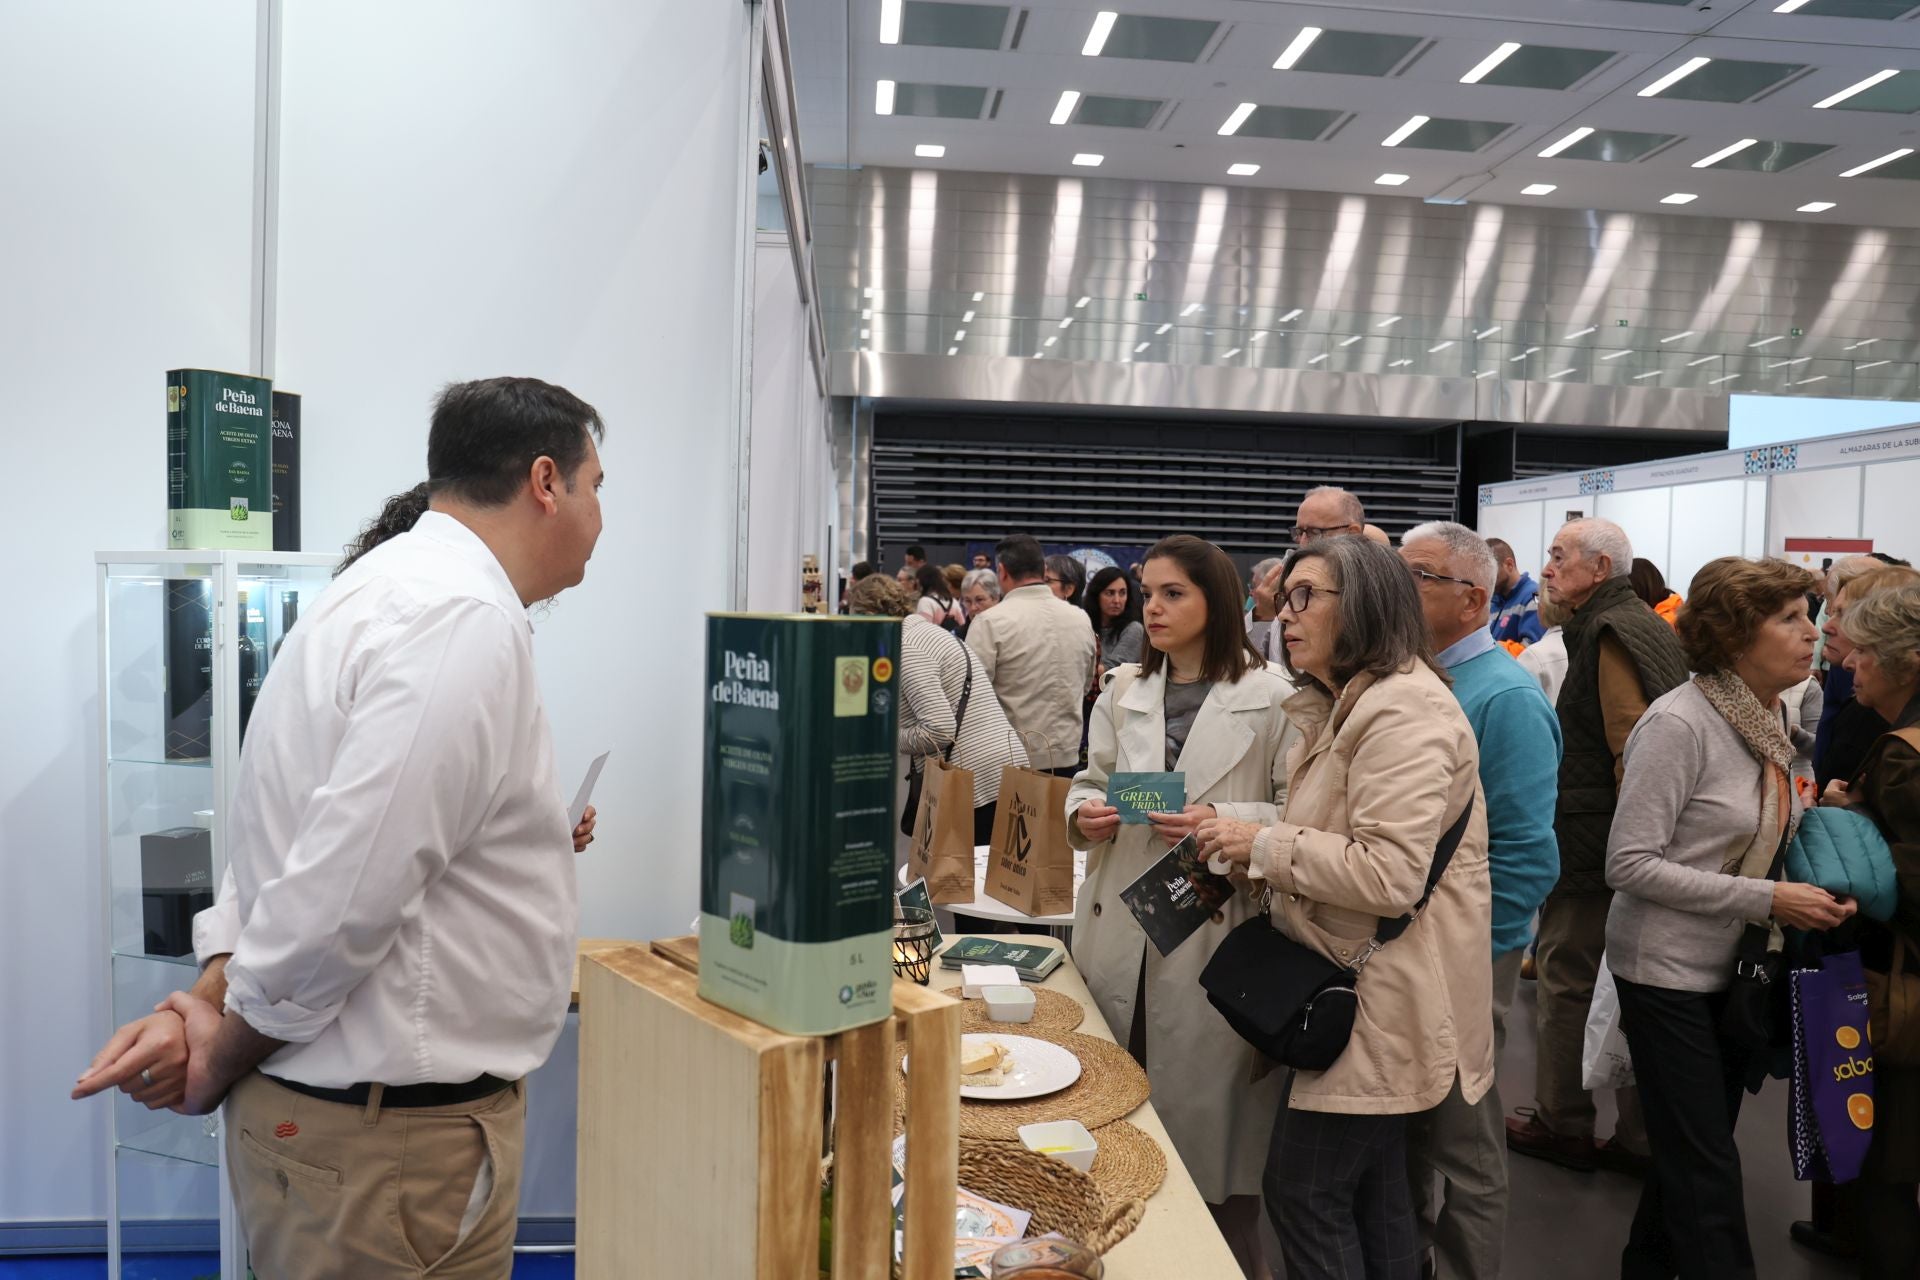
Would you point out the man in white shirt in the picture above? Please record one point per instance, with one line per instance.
(397, 926)
(1038, 652)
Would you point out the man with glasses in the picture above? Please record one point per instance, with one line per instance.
(1326, 512)
(1456, 1156)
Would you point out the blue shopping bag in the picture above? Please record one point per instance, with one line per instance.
(1830, 1120)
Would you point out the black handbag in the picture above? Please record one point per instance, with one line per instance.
(1289, 1001)
(917, 778)
(1751, 1018)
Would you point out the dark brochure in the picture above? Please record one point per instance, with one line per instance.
(1136, 795)
(1176, 896)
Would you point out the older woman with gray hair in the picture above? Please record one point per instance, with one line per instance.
(1385, 775)
(979, 592)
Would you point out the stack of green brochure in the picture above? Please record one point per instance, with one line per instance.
(1033, 963)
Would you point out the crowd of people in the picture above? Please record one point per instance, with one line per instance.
(1598, 768)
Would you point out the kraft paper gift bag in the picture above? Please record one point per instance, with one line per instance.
(1830, 1117)
(1030, 866)
(942, 848)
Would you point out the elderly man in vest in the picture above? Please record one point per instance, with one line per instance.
(1620, 657)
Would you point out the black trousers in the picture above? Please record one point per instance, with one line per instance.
(1336, 1189)
(1692, 1219)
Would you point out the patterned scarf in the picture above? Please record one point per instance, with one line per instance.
(1766, 739)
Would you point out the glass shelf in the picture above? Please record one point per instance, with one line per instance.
(149, 758)
(169, 1215)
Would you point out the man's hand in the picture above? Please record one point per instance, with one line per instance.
(583, 834)
(146, 1060)
(1266, 595)
(1836, 795)
(1175, 827)
(220, 1050)
(1097, 821)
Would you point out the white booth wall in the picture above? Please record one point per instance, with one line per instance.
(467, 189)
(790, 458)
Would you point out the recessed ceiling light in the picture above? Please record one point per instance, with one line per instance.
(1566, 142)
(1291, 315)
(953, 351)
(1381, 324)
(1238, 118)
(1390, 179)
(1725, 377)
(1788, 6)
(867, 292)
(1694, 364)
(883, 97)
(1488, 332)
(1063, 110)
(1642, 376)
(865, 334)
(1190, 308)
(1243, 170)
(1522, 356)
(1818, 377)
(1675, 337)
(1733, 150)
(1039, 355)
(1489, 62)
(1888, 158)
(1484, 373)
(1852, 89)
(1230, 353)
(1404, 132)
(1317, 359)
(1347, 342)
(890, 21)
(1538, 189)
(930, 151)
(1065, 323)
(1126, 359)
(1864, 342)
(959, 335)
(1142, 347)
(1767, 342)
(1674, 76)
(1161, 331)
(1089, 160)
(1871, 364)
(1398, 364)
(1627, 351)
(1679, 197)
(866, 313)
(1050, 341)
(1442, 347)
(1097, 37)
(1815, 206)
(1258, 337)
(1561, 373)
(967, 318)
(979, 297)
(1580, 333)
(1297, 49)
(1787, 364)
(1084, 300)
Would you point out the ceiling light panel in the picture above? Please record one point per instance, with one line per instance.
(883, 98)
(1296, 313)
(1089, 159)
(1404, 132)
(1444, 134)
(1488, 63)
(1242, 170)
(1063, 110)
(1161, 331)
(1674, 77)
(930, 150)
(1291, 124)
(889, 21)
(1815, 206)
(1546, 67)
(1730, 80)
(1155, 39)
(938, 101)
(1098, 33)
(1769, 157)
(1391, 179)
(1235, 119)
(1885, 166)
(1538, 189)
(1613, 146)
(1679, 197)
(949, 26)
(1889, 90)
(1565, 141)
(1297, 46)
(1356, 53)
(1881, 10)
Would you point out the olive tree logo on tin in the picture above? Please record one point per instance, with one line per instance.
(740, 921)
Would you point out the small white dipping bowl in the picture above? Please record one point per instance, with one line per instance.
(1065, 1140)
(1009, 1004)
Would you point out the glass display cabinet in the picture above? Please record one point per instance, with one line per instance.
(186, 639)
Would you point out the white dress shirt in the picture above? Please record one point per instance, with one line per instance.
(399, 902)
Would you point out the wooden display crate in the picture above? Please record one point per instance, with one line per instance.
(701, 1132)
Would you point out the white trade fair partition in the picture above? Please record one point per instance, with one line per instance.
(1682, 512)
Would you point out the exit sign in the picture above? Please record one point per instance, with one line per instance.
(1796, 333)
(1619, 324)
(1139, 297)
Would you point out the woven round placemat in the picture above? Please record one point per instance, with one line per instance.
(1129, 1164)
(1061, 1198)
(1051, 1012)
(1110, 1086)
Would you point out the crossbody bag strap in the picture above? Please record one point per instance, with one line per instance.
(966, 694)
(1442, 856)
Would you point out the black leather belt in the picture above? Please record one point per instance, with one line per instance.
(403, 1095)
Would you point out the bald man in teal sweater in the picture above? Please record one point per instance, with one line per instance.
(1456, 1152)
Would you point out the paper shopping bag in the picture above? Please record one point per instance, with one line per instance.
(942, 848)
(1830, 1116)
(1030, 867)
(1604, 1060)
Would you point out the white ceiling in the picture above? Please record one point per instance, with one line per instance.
(838, 58)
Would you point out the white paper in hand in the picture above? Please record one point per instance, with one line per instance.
(580, 800)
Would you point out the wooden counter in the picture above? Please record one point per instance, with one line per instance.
(1177, 1236)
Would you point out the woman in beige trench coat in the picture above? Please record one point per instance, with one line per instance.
(1218, 721)
(1386, 763)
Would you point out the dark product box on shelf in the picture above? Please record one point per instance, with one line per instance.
(176, 883)
(189, 669)
(797, 830)
(286, 471)
(219, 461)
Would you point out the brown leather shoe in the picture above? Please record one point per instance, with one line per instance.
(1527, 1135)
(1610, 1155)
(1529, 970)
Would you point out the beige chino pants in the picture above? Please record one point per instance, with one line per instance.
(327, 1191)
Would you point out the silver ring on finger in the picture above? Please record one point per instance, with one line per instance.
(146, 1077)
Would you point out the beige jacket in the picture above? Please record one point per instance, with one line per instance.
(1038, 652)
(1219, 1117)
(1375, 781)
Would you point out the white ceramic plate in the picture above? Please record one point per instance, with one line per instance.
(1035, 1068)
